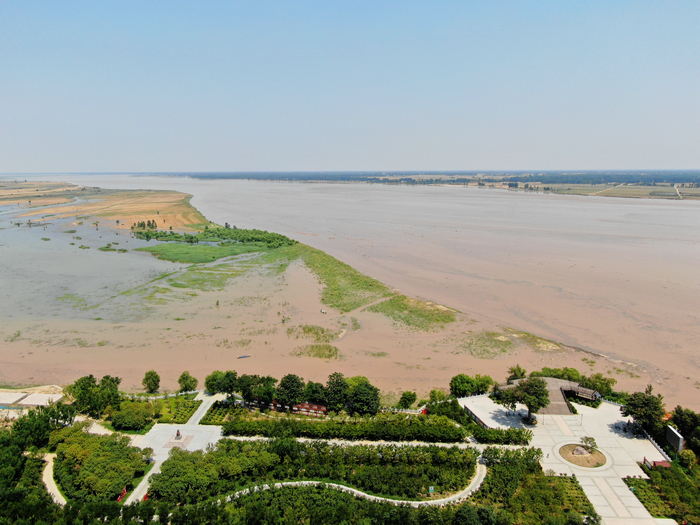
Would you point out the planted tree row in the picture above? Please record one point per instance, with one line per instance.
(392, 471)
(355, 394)
(387, 427)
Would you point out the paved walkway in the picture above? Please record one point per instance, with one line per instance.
(47, 477)
(467, 492)
(604, 486)
(207, 401)
(142, 488)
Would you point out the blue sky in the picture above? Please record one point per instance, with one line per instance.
(238, 86)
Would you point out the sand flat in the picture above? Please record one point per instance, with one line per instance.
(593, 285)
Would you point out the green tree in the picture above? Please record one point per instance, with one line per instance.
(533, 394)
(133, 416)
(315, 393)
(407, 399)
(508, 397)
(687, 458)
(462, 385)
(483, 383)
(354, 381)
(437, 395)
(647, 409)
(589, 443)
(213, 382)
(245, 386)
(187, 382)
(290, 391)
(151, 381)
(364, 399)
(601, 384)
(34, 428)
(228, 383)
(688, 424)
(336, 392)
(91, 397)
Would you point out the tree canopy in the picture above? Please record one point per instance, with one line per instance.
(647, 409)
(151, 381)
(290, 390)
(91, 397)
(187, 382)
(407, 399)
(364, 399)
(463, 385)
(337, 391)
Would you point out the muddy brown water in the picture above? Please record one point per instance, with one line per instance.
(611, 276)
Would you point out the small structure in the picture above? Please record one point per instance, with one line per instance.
(11, 398)
(558, 404)
(652, 464)
(40, 400)
(307, 409)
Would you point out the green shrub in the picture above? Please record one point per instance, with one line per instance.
(388, 427)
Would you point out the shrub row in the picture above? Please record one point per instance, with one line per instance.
(388, 427)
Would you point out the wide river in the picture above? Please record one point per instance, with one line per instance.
(613, 276)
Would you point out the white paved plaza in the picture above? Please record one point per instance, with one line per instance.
(604, 486)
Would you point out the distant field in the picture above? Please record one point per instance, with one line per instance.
(630, 191)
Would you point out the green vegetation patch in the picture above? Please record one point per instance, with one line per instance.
(670, 492)
(205, 278)
(515, 483)
(107, 248)
(95, 468)
(317, 333)
(385, 426)
(45, 239)
(414, 313)
(345, 289)
(536, 343)
(70, 231)
(74, 300)
(322, 351)
(388, 470)
(484, 344)
(198, 253)
(178, 410)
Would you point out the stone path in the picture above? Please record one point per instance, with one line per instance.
(207, 401)
(467, 492)
(47, 477)
(604, 486)
(140, 491)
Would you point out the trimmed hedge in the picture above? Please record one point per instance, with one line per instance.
(388, 427)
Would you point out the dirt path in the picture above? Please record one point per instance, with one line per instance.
(360, 308)
(47, 477)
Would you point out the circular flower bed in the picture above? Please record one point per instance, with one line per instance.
(589, 459)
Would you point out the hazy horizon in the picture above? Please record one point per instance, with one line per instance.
(318, 86)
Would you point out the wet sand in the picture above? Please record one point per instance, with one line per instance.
(608, 276)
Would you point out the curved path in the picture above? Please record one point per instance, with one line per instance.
(471, 488)
(47, 477)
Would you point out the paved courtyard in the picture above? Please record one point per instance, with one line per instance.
(604, 486)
